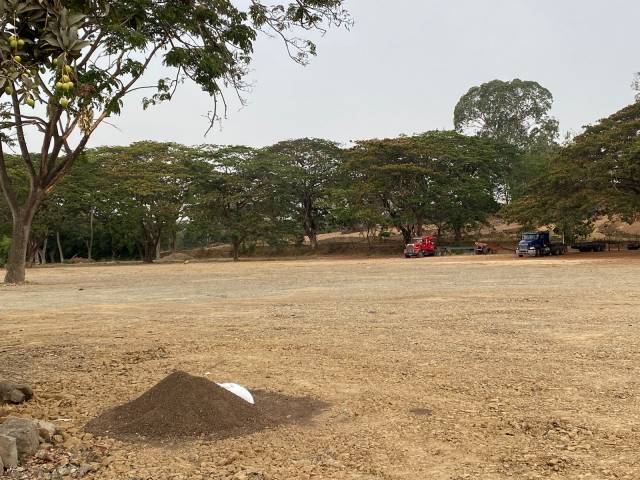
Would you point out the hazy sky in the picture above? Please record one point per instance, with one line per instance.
(404, 65)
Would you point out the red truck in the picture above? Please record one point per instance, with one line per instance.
(421, 247)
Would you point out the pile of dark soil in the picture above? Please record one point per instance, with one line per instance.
(182, 405)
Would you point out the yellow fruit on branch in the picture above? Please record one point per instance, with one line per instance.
(31, 102)
(68, 86)
(64, 102)
(13, 43)
(65, 78)
(21, 43)
(17, 59)
(8, 90)
(59, 85)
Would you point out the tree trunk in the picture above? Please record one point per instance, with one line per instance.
(17, 260)
(313, 239)
(60, 247)
(158, 251)
(235, 244)
(309, 224)
(407, 234)
(457, 233)
(149, 252)
(174, 241)
(419, 226)
(90, 243)
(43, 252)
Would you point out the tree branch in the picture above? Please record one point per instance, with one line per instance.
(5, 184)
(26, 156)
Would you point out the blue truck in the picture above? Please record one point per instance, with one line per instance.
(539, 244)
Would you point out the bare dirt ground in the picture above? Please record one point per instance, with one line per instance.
(441, 368)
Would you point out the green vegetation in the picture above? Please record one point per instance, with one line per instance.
(77, 61)
(596, 174)
(124, 202)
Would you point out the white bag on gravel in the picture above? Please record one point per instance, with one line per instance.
(239, 391)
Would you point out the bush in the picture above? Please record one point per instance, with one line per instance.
(5, 244)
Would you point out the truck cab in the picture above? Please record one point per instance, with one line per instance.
(421, 247)
(538, 244)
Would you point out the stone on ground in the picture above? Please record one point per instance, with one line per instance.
(14, 392)
(25, 433)
(46, 431)
(8, 451)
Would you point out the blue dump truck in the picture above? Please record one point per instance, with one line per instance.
(538, 244)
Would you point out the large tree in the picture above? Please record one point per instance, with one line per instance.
(306, 171)
(515, 113)
(148, 184)
(598, 173)
(236, 197)
(74, 62)
(442, 178)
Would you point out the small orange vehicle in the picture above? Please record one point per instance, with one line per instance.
(486, 248)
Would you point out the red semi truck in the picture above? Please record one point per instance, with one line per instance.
(421, 247)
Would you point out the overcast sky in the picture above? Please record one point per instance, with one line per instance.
(404, 65)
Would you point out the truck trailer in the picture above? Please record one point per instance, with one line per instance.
(539, 244)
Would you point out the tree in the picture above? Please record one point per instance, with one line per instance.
(235, 195)
(596, 174)
(514, 113)
(306, 171)
(76, 61)
(442, 178)
(148, 183)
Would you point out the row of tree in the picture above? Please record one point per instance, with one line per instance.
(125, 202)
(122, 202)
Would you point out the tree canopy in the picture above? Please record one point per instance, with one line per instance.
(515, 112)
(306, 170)
(596, 174)
(440, 177)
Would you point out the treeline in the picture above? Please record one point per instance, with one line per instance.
(126, 202)
(503, 158)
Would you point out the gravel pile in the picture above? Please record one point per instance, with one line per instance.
(183, 405)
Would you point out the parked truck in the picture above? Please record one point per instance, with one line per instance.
(539, 244)
(421, 247)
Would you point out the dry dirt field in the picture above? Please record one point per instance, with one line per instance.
(443, 368)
